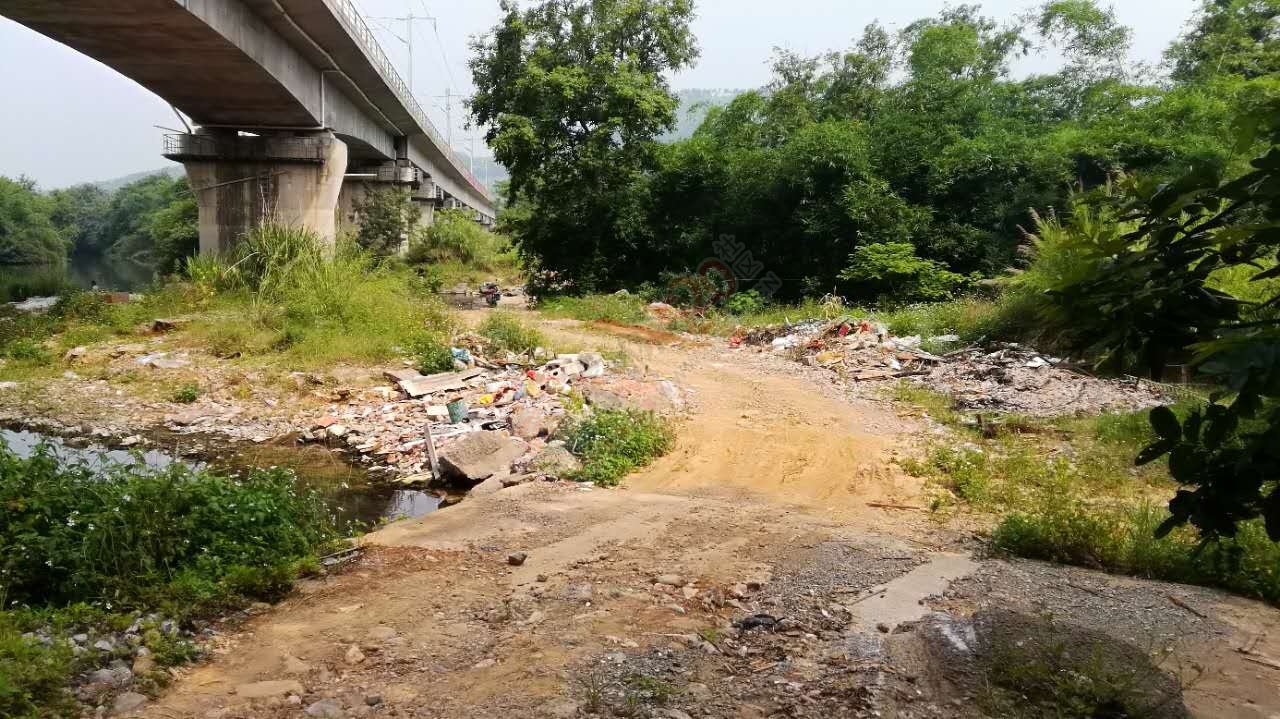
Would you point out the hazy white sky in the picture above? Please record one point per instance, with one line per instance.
(68, 119)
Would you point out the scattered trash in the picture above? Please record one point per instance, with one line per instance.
(1004, 377)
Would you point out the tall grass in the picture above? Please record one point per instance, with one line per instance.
(626, 309)
(281, 291)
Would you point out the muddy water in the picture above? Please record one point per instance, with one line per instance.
(347, 489)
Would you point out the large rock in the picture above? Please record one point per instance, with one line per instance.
(554, 461)
(531, 422)
(128, 703)
(479, 456)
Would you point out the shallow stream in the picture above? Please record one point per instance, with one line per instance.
(348, 490)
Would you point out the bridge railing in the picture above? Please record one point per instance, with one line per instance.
(362, 32)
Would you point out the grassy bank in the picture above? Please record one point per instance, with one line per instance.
(280, 299)
(130, 557)
(1067, 490)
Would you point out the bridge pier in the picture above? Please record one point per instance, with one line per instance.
(240, 182)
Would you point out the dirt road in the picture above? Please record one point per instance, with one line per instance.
(627, 601)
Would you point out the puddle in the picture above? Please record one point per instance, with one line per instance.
(898, 601)
(347, 489)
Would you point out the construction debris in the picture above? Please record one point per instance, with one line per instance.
(491, 424)
(1005, 377)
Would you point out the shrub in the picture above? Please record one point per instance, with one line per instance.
(614, 443)
(506, 331)
(454, 235)
(187, 393)
(431, 354)
(134, 537)
(33, 677)
(892, 272)
(28, 351)
(748, 302)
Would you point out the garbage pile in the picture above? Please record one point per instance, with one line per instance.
(1005, 377)
(488, 424)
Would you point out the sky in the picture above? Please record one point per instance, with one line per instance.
(69, 119)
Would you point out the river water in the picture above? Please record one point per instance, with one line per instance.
(354, 498)
(20, 282)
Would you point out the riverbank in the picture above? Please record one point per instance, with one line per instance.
(778, 561)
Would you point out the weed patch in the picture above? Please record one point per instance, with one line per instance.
(505, 331)
(627, 309)
(614, 443)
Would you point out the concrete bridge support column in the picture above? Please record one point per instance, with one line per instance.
(241, 182)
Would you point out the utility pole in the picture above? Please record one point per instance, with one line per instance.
(408, 21)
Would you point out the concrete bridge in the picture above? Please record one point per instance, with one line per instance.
(298, 110)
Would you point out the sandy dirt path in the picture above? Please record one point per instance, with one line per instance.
(625, 603)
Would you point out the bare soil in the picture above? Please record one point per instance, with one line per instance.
(773, 565)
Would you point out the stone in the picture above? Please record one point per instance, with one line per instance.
(128, 703)
(672, 714)
(485, 663)
(264, 690)
(580, 593)
(479, 456)
(114, 678)
(80, 638)
(563, 709)
(402, 375)
(492, 485)
(594, 363)
(160, 326)
(516, 559)
(354, 655)
(554, 461)
(143, 663)
(326, 709)
(373, 700)
(437, 413)
(670, 580)
(104, 645)
(74, 354)
(530, 422)
(337, 431)
(293, 666)
(602, 398)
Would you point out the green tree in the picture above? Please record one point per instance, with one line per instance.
(78, 213)
(387, 219)
(27, 234)
(574, 94)
(1230, 37)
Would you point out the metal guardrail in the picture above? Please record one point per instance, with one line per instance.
(183, 146)
(364, 35)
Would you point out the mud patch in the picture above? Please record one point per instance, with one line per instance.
(1016, 665)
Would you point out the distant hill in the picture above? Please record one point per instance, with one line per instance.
(115, 184)
(694, 104)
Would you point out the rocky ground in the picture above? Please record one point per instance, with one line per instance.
(773, 565)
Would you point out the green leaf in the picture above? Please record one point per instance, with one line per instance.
(1165, 423)
(1154, 452)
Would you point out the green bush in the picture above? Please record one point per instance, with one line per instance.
(28, 351)
(614, 443)
(748, 302)
(33, 677)
(131, 537)
(892, 272)
(505, 331)
(431, 354)
(187, 393)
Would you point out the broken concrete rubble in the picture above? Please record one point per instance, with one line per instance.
(1004, 377)
(479, 456)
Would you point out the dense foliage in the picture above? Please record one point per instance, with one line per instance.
(152, 220)
(920, 138)
(87, 549)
